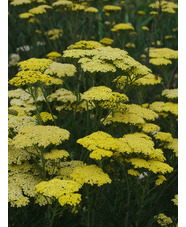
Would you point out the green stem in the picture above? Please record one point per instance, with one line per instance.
(128, 201)
(53, 215)
(37, 108)
(43, 164)
(48, 105)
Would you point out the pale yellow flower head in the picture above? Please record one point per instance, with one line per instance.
(41, 136)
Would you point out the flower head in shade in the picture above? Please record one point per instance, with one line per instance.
(173, 145)
(170, 93)
(165, 6)
(25, 15)
(106, 41)
(163, 220)
(160, 180)
(54, 33)
(175, 200)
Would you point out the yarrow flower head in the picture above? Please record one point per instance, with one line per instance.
(29, 78)
(170, 93)
(41, 136)
(122, 27)
(63, 190)
(97, 94)
(90, 175)
(61, 70)
(54, 55)
(35, 64)
(163, 220)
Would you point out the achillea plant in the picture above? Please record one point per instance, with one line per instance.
(93, 111)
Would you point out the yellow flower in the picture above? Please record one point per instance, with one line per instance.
(54, 34)
(41, 136)
(25, 15)
(62, 95)
(130, 45)
(163, 136)
(170, 93)
(54, 55)
(141, 12)
(39, 9)
(133, 172)
(111, 8)
(145, 28)
(61, 70)
(29, 78)
(97, 94)
(63, 190)
(91, 10)
(99, 154)
(150, 128)
(160, 61)
(163, 53)
(63, 3)
(106, 41)
(90, 175)
(173, 145)
(163, 220)
(86, 45)
(56, 154)
(20, 2)
(160, 180)
(122, 27)
(35, 64)
(175, 200)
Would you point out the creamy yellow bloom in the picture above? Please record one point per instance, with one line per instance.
(41, 136)
(56, 154)
(97, 94)
(61, 70)
(170, 93)
(160, 61)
